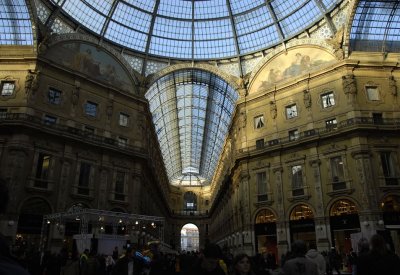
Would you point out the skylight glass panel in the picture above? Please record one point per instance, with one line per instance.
(125, 36)
(147, 5)
(210, 9)
(15, 24)
(103, 6)
(184, 141)
(85, 15)
(253, 41)
(299, 20)
(244, 5)
(252, 21)
(283, 8)
(176, 9)
(214, 48)
(172, 48)
(329, 3)
(171, 28)
(212, 29)
(132, 18)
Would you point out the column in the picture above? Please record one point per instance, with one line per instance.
(248, 229)
(281, 224)
(322, 230)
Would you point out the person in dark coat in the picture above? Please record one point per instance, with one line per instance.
(209, 262)
(379, 260)
(128, 264)
(8, 264)
(299, 265)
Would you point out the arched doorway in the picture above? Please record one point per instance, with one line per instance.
(302, 226)
(390, 206)
(190, 237)
(30, 223)
(344, 221)
(265, 231)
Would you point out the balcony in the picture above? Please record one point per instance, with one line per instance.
(40, 185)
(191, 213)
(362, 123)
(299, 194)
(339, 187)
(74, 133)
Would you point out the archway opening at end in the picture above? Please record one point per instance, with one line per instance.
(190, 237)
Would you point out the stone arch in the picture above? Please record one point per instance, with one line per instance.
(265, 211)
(88, 41)
(190, 237)
(300, 204)
(230, 79)
(329, 205)
(305, 44)
(31, 212)
(343, 206)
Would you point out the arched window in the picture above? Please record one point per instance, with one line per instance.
(189, 201)
(301, 212)
(31, 216)
(391, 204)
(343, 207)
(265, 216)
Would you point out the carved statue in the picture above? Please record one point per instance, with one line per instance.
(349, 84)
(242, 120)
(75, 92)
(307, 98)
(273, 110)
(336, 42)
(32, 81)
(392, 86)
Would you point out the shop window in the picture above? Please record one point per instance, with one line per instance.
(265, 216)
(343, 207)
(261, 180)
(259, 122)
(7, 88)
(328, 100)
(291, 111)
(54, 96)
(301, 212)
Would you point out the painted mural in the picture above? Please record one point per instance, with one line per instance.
(295, 63)
(93, 62)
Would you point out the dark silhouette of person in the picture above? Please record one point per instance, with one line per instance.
(379, 260)
(8, 264)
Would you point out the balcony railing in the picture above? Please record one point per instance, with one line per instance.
(67, 131)
(362, 122)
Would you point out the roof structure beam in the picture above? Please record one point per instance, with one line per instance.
(108, 18)
(228, 4)
(327, 17)
(275, 18)
(149, 36)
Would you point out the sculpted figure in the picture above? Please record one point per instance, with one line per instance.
(307, 98)
(392, 86)
(273, 110)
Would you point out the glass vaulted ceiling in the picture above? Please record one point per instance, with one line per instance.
(192, 111)
(194, 29)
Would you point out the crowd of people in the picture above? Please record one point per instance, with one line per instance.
(373, 258)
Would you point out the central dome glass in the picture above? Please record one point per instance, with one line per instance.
(192, 29)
